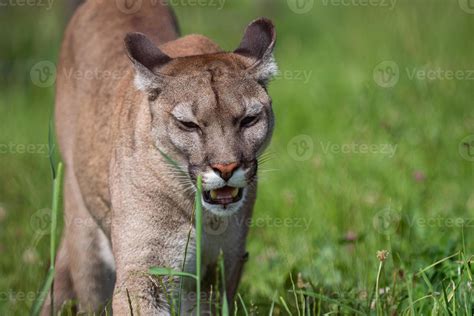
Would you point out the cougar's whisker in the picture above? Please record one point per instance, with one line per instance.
(268, 170)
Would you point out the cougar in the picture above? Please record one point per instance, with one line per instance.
(140, 114)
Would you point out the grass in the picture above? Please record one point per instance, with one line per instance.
(49, 281)
(320, 220)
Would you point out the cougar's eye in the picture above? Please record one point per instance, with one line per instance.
(248, 121)
(188, 125)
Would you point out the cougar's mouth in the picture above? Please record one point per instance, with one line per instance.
(223, 196)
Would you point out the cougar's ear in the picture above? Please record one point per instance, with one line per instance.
(147, 60)
(257, 44)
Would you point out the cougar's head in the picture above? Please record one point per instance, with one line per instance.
(211, 113)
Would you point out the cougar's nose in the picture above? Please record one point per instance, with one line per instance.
(225, 170)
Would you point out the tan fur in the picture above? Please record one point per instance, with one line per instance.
(119, 191)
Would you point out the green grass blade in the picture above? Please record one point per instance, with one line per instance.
(273, 304)
(436, 263)
(48, 284)
(198, 243)
(169, 297)
(182, 269)
(377, 285)
(169, 272)
(51, 147)
(225, 304)
(243, 304)
(38, 303)
(445, 298)
(466, 266)
(285, 305)
(411, 306)
(236, 308)
(294, 293)
(58, 182)
(410, 294)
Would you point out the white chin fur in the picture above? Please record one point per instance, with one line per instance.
(229, 210)
(211, 180)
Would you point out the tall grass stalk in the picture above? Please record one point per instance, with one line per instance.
(294, 294)
(198, 228)
(246, 313)
(225, 304)
(377, 289)
(48, 284)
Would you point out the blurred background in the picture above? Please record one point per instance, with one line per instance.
(373, 150)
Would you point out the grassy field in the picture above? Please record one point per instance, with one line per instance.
(373, 150)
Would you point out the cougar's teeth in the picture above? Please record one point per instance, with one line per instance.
(213, 194)
(235, 192)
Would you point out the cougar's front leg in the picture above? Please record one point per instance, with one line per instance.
(147, 231)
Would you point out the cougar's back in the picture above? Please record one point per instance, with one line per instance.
(92, 59)
(92, 73)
